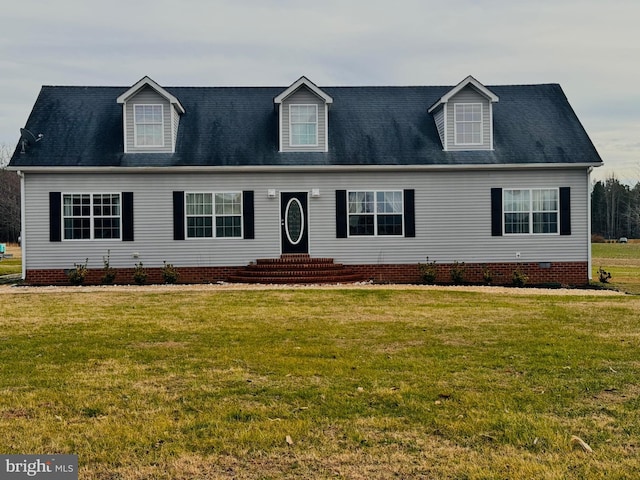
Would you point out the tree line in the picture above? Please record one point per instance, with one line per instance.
(615, 209)
(9, 199)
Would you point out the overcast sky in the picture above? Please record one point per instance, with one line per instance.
(590, 47)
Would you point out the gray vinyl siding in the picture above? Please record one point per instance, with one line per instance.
(303, 96)
(468, 95)
(453, 219)
(438, 116)
(176, 124)
(149, 96)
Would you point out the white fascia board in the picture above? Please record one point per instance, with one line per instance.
(307, 168)
(492, 97)
(439, 103)
(307, 83)
(146, 81)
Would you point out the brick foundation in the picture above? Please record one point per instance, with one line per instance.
(573, 274)
(124, 276)
(553, 273)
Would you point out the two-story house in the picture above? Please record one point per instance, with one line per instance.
(373, 179)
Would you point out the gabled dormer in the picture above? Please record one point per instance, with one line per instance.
(150, 118)
(303, 118)
(464, 116)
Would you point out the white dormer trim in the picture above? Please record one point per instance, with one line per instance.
(288, 98)
(144, 82)
(175, 109)
(492, 97)
(303, 81)
(449, 116)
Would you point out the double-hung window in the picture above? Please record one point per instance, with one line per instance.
(214, 215)
(304, 125)
(91, 216)
(375, 213)
(468, 123)
(531, 211)
(148, 125)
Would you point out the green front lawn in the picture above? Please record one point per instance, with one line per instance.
(334, 383)
(622, 261)
(11, 265)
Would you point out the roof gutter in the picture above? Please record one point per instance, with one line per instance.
(304, 168)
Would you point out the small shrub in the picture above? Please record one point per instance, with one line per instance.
(78, 273)
(603, 275)
(487, 275)
(597, 238)
(169, 273)
(428, 272)
(108, 272)
(140, 274)
(457, 273)
(519, 278)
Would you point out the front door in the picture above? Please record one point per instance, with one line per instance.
(294, 222)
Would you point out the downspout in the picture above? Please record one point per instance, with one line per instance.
(23, 240)
(589, 191)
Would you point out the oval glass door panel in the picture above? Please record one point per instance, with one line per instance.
(294, 221)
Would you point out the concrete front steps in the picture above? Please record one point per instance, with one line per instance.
(298, 268)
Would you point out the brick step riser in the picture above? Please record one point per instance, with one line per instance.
(295, 273)
(288, 261)
(313, 280)
(297, 269)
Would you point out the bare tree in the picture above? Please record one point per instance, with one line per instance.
(9, 199)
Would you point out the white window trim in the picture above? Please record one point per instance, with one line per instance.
(303, 145)
(531, 212)
(91, 217)
(214, 216)
(135, 125)
(375, 213)
(455, 124)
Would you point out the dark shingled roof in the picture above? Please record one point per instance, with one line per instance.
(228, 126)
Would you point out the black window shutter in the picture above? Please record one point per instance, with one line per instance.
(565, 211)
(55, 217)
(248, 214)
(127, 216)
(178, 215)
(496, 212)
(341, 214)
(409, 213)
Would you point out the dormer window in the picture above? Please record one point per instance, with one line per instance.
(304, 125)
(464, 116)
(150, 118)
(303, 118)
(468, 123)
(149, 125)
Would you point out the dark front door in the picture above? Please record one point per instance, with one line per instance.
(294, 222)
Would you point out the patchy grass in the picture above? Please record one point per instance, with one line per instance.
(12, 265)
(622, 260)
(364, 383)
